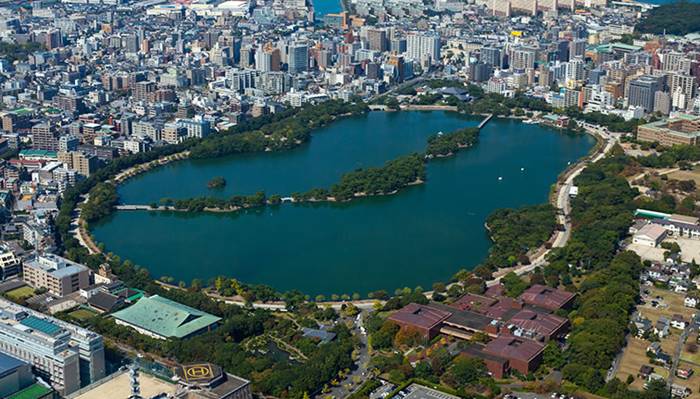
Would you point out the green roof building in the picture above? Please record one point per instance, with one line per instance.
(162, 318)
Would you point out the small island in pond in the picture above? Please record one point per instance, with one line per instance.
(447, 144)
(217, 182)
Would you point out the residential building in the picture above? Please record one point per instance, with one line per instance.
(419, 46)
(83, 164)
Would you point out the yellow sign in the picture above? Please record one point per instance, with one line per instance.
(517, 33)
(198, 372)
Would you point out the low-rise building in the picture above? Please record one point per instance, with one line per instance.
(547, 298)
(9, 265)
(682, 129)
(56, 274)
(650, 235)
(162, 318)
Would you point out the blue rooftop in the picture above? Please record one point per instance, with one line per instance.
(41, 325)
(9, 364)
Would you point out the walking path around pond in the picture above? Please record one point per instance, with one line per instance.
(563, 203)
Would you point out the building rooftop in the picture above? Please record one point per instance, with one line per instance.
(8, 364)
(514, 348)
(541, 323)
(652, 230)
(55, 265)
(42, 325)
(165, 317)
(422, 316)
(680, 125)
(546, 297)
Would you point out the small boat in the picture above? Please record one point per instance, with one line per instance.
(522, 169)
(440, 133)
(500, 178)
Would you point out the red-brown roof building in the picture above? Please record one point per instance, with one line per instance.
(522, 354)
(537, 325)
(424, 318)
(547, 297)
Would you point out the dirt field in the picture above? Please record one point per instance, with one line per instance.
(633, 358)
(635, 353)
(687, 175)
(120, 387)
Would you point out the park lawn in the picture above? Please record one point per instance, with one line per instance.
(20, 293)
(82, 314)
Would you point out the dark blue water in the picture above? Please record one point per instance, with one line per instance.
(421, 235)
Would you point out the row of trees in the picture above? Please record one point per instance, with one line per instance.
(613, 122)
(199, 204)
(441, 145)
(601, 215)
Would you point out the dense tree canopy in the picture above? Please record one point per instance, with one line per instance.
(679, 18)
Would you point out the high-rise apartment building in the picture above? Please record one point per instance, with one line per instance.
(420, 45)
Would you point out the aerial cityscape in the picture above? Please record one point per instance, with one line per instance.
(363, 199)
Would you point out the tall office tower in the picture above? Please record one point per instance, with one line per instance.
(575, 70)
(545, 77)
(44, 137)
(54, 39)
(398, 45)
(220, 55)
(491, 56)
(298, 57)
(377, 39)
(480, 72)
(420, 45)
(65, 355)
(642, 92)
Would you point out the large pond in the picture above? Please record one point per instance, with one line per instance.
(421, 235)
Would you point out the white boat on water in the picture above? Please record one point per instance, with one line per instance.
(530, 121)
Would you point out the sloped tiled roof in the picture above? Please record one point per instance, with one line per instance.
(165, 317)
